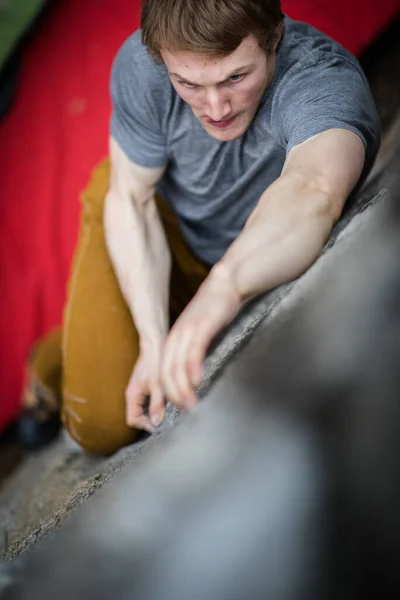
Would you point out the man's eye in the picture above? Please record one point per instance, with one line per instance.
(186, 84)
(235, 78)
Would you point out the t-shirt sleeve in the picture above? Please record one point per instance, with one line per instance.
(135, 119)
(322, 93)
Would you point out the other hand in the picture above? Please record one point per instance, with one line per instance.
(144, 385)
(212, 308)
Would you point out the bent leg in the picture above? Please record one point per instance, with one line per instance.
(100, 343)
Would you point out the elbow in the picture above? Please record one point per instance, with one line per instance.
(119, 212)
(327, 209)
(331, 205)
(325, 204)
(330, 211)
(109, 217)
(116, 219)
(316, 197)
(327, 196)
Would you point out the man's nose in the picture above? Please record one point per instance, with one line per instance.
(218, 106)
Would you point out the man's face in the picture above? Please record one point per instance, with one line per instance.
(224, 93)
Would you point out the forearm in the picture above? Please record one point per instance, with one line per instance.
(140, 255)
(282, 238)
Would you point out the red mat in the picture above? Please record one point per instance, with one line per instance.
(57, 131)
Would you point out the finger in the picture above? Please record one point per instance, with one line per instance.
(196, 356)
(142, 423)
(157, 406)
(180, 374)
(167, 369)
(135, 400)
(136, 418)
(196, 359)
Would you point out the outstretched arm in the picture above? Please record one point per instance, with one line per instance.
(282, 238)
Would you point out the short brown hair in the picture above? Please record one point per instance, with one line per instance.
(211, 27)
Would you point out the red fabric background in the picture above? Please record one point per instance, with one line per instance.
(57, 131)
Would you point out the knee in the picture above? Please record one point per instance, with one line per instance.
(95, 442)
(96, 438)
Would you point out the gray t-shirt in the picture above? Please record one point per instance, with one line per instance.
(213, 186)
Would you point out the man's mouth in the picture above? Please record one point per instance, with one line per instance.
(219, 124)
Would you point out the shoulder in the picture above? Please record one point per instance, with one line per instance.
(306, 52)
(135, 71)
(133, 53)
(319, 85)
(316, 75)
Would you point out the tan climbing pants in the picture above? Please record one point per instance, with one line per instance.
(99, 339)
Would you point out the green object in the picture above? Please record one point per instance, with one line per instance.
(16, 16)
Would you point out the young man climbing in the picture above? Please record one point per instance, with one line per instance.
(237, 135)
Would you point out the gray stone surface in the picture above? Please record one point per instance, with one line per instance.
(50, 485)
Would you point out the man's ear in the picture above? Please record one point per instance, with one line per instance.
(278, 36)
